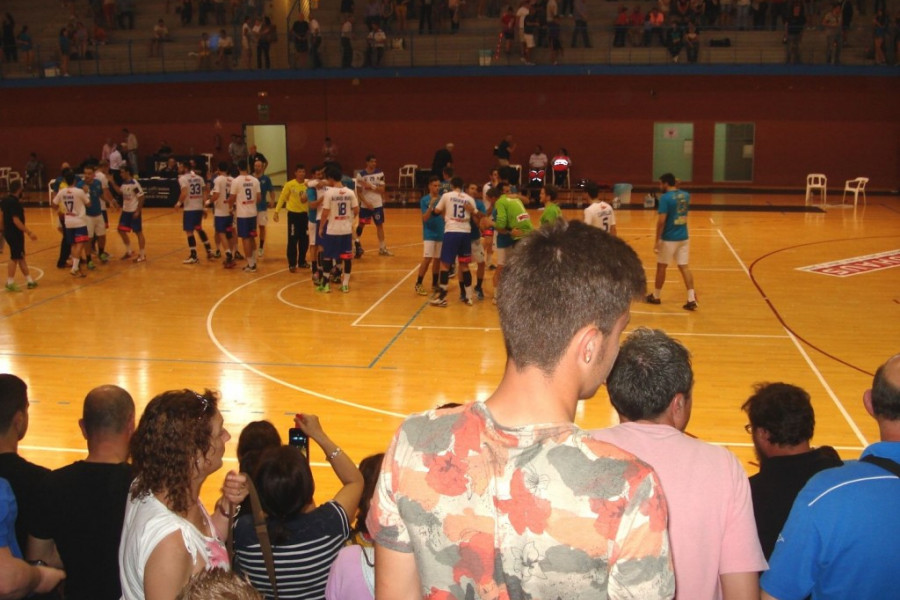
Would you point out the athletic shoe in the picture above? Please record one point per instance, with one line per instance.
(91, 265)
(238, 256)
(104, 257)
(32, 285)
(217, 254)
(190, 260)
(78, 273)
(249, 269)
(692, 305)
(651, 299)
(479, 294)
(442, 302)
(335, 278)
(467, 301)
(229, 263)
(211, 256)
(324, 288)
(127, 255)
(11, 287)
(316, 281)
(140, 259)
(292, 269)
(420, 290)
(385, 252)
(359, 251)
(462, 297)
(304, 265)
(345, 289)
(260, 252)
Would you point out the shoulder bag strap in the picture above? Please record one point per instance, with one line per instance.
(885, 463)
(262, 534)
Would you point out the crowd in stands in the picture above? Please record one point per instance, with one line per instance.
(505, 497)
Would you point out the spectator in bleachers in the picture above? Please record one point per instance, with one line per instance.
(714, 543)
(315, 43)
(793, 33)
(225, 52)
(204, 53)
(654, 23)
(758, 10)
(561, 165)
(834, 40)
(125, 9)
(401, 12)
(26, 48)
(109, 13)
(187, 12)
(743, 15)
(580, 15)
(82, 505)
(167, 534)
(265, 32)
(10, 48)
(675, 40)
(846, 18)
(347, 43)
(782, 423)
(375, 43)
(160, 35)
(692, 43)
(373, 13)
(305, 538)
(299, 38)
(219, 9)
(698, 12)
(879, 32)
(726, 13)
(64, 47)
(636, 26)
(621, 27)
(681, 12)
(508, 28)
(247, 42)
(425, 7)
(554, 39)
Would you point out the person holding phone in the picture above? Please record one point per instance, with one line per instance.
(305, 538)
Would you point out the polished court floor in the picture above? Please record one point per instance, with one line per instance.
(273, 346)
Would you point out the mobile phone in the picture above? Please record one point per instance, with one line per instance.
(297, 438)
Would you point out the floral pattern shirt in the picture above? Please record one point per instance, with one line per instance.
(542, 511)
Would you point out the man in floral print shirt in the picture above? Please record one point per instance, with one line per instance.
(508, 498)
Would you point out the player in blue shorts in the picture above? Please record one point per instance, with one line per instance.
(339, 208)
(223, 219)
(457, 208)
(370, 188)
(130, 219)
(193, 199)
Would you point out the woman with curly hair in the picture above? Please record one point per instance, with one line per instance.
(168, 535)
(305, 538)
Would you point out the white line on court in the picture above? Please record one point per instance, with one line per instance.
(812, 366)
(382, 299)
(280, 296)
(236, 360)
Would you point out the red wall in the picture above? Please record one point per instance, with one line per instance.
(841, 126)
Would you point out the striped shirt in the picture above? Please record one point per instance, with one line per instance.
(302, 562)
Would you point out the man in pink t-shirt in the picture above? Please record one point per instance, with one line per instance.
(715, 546)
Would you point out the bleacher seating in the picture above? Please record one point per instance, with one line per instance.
(128, 50)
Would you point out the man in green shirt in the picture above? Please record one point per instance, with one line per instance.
(552, 212)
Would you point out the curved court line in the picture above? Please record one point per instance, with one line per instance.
(272, 378)
(283, 300)
(794, 338)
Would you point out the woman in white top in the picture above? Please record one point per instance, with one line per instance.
(168, 535)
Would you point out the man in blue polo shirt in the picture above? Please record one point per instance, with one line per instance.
(842, 538)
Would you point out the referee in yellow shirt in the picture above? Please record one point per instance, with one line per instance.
(294, 196)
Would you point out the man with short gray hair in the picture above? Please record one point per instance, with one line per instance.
(714, 543)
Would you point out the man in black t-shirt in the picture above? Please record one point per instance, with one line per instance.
(14, 232)
(22, 475)
(81, 507)
(782, 423)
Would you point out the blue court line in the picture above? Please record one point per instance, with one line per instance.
(397, 335)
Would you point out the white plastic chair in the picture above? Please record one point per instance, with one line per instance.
(407, 177)
(856, 186)
(816, 181)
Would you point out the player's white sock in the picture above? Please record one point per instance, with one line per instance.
(345, 279)
(692, 297)
(657, 292)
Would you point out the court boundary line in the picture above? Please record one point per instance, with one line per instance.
(210, 332)
(828, 390)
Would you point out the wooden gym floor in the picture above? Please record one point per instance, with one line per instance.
(273, 346)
